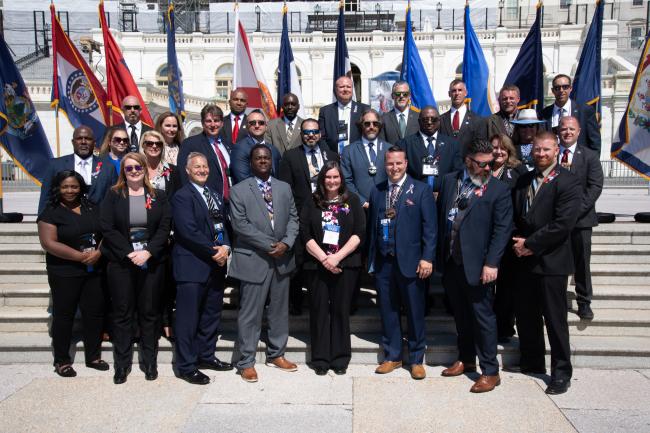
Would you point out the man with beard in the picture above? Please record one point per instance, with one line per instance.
(131, 110)
(402, 120)
(477, 211)
(284, 131)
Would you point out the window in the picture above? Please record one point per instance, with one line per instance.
(512, 9)
(351, 5)
(637, 2)
(636, 37)
(459, 72)
(223, 81)
(356, 79)
(161, 76)
(563, 4)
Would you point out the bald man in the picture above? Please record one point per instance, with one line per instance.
(132, 110)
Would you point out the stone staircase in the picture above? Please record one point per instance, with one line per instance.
(618, 337)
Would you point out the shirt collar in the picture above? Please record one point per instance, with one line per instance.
(548, 169)
(365, 141)
(399, 182)
(424, 136)
(405, 112)
(138, 126)
(78, 159)
(261, 182)
(571, 148)
(341, 106)
(308, 149)
(566, 106)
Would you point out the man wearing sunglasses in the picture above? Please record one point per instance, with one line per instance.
(240, 165)
(565, 106)
(284, 131)
(98, 172)
(402, 120)
(475, 214)
(131, 110)
(460, 122)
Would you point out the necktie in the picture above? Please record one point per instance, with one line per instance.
(224, 169)
(402, 125)
(314, 160)
(565, 157)
(430, 148)
(133, 145)
(212, 205)
(393, 195)
(235, 130)
(532, 190)
(267, 195)
(83, 168)
(290, 131)
(372, 153)
(563, 112)
(455, 124)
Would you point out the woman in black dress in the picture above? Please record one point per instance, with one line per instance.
(69, 232)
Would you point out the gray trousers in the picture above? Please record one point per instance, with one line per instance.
(251, 310)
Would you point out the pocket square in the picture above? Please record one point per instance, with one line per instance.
(409, 202)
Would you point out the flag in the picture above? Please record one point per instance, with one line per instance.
(342, 65)
(287, 72)
(76, 92)
(120, 83)
(174, 75)
(632, 145)
(586, 84)
(475, 71)
(21, 132)
(413, 71)
(527, 71)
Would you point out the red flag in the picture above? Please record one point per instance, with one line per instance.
(120, 82)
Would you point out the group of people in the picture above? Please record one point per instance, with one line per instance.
(501, 207)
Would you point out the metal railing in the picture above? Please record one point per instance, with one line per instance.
(14, 179)
(618, 174)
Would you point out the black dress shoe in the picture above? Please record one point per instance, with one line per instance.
(215, 364)
(65, 371)
(584, 312)
(100, 365)
(340, 371)
(558, 386)
(523, 370)
(120, 375)
(150, 372)
(320, 371)
(195, 378)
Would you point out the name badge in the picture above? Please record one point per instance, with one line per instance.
(429, 166)
(218, 228)
(451, 216)
(331, 234)
(342, 135)
(385, 227)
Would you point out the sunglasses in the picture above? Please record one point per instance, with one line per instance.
(310, 131)
(482, 164)
(562, 87)
(373, 123)
(153, 143)
(401, 94)
(256, 122)
(132, 107)
(429, 119)
(118, 140)
(130, 168)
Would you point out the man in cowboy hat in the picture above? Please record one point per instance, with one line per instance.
(526, 127)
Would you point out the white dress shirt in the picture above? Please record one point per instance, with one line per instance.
(84, 168)
(558, 113)
(572, 151)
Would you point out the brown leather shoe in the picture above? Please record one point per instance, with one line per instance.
(486, 383)
(249, 374)
(418, 372)
(388, 366)
(281, 363)
(458, 368)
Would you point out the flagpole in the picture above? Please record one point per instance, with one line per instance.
(1, 190)
(58, 141)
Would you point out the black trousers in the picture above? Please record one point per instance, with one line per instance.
(504, 300)
(68, 294)
(539, 300)
(135, 290)
(581, 246)
(476, 323)
(330, 298)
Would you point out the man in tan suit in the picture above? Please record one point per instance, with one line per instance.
(284, 132)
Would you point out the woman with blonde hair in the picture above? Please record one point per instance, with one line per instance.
(161, 173)
(170, 126)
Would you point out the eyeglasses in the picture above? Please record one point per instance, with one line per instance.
(132, 107)
(256, 122)
(310, 131)
(481, 164)
(130, 168)
(153, 143)
(401, 94)
(118, 140)
(562, 87)
(429, 119)
(373, 123)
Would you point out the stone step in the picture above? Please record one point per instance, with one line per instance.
(22, 253)
(620, 254)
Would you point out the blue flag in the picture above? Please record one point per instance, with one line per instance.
(21, 132)
(527, 71)
(288, 81)
(342, 65)
(413, 71)
(475, 71)
(174, 75)
(586, 84)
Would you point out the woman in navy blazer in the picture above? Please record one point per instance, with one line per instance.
(135, 220)
(334, 266)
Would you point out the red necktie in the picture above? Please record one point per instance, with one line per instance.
(565, 157)
(455, 124)
(235, 130)
(224, 170)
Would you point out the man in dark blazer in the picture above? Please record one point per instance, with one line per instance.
(402, 120)
(98, 173)
(430, 153)
(546, 203)
(299, 168)
(211, 144)
(240, 165)
(279, 129)
(564, 106)
(131, 110)
(402, 247)
(477, 210)
(362, 161)
(501, 121)
(200, 252)
(460, 122)
(238, 102)
(585, 164)
(337, 120)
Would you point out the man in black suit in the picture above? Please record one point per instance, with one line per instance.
(546, 203)
(585, 164)
(201, 249)
(211, 144)
(337, 120)
(477, 209)
(234, 124)
(98, 173)
(460, 122)
(430, 153)
(240, 166)
(299, 168)
(501, 121)
(131, 110)
(564, 106)
(402, 120)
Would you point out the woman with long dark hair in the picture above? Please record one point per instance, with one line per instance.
(170, 126)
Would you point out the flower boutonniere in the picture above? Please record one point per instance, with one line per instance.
(410, 190)
(97, 170)
(552, 175)
(149, 201)
(478, 192)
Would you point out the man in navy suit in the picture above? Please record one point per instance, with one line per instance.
(402, 248)
(201, 249)
(337, 120)
(477, 212)
(98, 173)
(240, 167)
(234, 124)
(431, 154)
(211, 144)
(460, 122)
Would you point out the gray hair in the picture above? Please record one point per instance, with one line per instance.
(194, 155)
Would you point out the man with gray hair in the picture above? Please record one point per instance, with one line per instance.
(402, 120)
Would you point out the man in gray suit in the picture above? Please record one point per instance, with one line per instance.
(284, 132)
(265, 224)
(402, 120)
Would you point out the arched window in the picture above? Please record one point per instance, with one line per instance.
(277, 83)
(398, 68)
(161, 76)
(459, 72)
(356, 79)
(223, 81)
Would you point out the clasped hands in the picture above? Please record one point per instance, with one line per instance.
(221, 255)
(278, 249)
(90, 257)
(139, 258)
(331, 263)
(519, 248)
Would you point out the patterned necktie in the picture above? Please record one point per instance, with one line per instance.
(212, 205)
(224, 168)
(290, 130)
(372, 153)
(267, 195)
(455, 124)
(235, 130)
(402, 125)
(133, 145)
(393, 195)
(565, 157)
(532, 190)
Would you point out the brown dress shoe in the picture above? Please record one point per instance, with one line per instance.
(458, 368)
(486, 383)
(281, 363)
(418, 372)
(388, 366)
(249, 374)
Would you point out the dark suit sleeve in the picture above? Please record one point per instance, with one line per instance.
(359, 217)
(501, 228)
(114, 239)
(239, 165)
(595, 179)
(181, 161)
(305, 223)
(457, 159)
(186, 231)
(321, 125)
(45, 187)
(429, 225)
(591, 128)
(346, 168)
(158, 241)
(293, 226)
(285, 174)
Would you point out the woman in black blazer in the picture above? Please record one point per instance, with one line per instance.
(135, 220)
(506, 166)
(332, 227)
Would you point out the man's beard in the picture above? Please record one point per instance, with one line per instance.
(480, 180)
